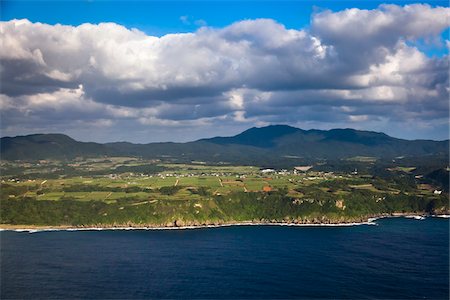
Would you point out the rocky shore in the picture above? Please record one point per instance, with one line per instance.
(183, 224)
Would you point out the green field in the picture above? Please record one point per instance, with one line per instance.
(124, 190)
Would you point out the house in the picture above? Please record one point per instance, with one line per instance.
(302, 168)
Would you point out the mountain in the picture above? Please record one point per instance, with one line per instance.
(264, 137)
(42, 146)
(260, 146)
(330, 144)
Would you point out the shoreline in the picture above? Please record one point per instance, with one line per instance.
(368, 221)
(30, 228)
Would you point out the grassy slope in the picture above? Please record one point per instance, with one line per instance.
(204, 200)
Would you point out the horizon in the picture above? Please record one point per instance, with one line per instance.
(152, 71)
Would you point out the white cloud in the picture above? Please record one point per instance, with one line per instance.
(386, 23)
(348, 65)
(359, 118)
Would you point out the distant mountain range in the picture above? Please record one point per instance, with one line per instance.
(275, 143)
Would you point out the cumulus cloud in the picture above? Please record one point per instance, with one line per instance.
(349, 67)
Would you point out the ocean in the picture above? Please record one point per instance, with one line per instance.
(398, 258)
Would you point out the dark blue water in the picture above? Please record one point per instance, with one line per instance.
(400, 258)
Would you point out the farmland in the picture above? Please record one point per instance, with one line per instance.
(114, 191)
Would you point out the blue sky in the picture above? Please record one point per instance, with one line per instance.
(162, 17)
(230, 106)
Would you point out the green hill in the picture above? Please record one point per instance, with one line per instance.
(276, 144)
(46, 146)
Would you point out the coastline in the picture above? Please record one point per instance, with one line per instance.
(367, 221)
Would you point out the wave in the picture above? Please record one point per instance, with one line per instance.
(441, 216)
(415, 217)
(36, 230)
(370, 221)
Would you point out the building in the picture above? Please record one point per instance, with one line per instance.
(302, 168)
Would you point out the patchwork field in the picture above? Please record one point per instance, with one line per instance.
(143, 191)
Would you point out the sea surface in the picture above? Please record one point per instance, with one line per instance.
(397, 258)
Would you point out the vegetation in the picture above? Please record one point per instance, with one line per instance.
(125, 191)
(280, 146)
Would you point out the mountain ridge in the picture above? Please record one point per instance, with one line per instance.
(253, 145)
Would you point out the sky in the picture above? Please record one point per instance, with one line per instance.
(151, 71)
